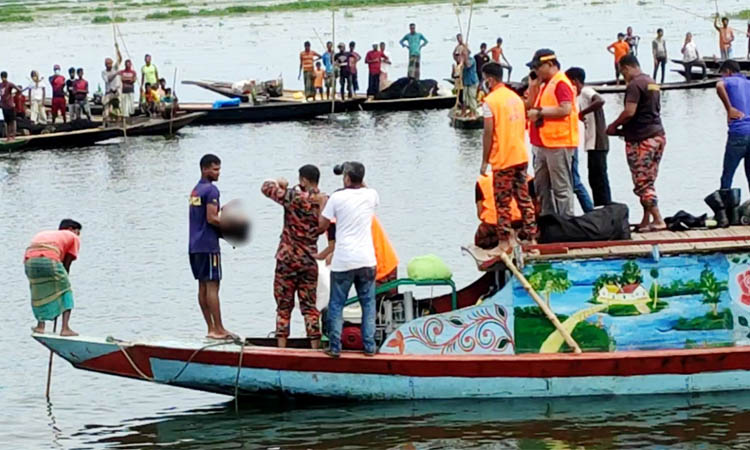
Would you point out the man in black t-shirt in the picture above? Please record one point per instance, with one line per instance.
(341, 63)
(481, 59)
(69, 90)
(640, 125)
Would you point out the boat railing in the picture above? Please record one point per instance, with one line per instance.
(385, 287)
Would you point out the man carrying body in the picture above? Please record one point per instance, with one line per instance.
(504, 149)
(47, 265)
(374, 59)
(353, 60)
(659, 51)
(81, 94)
(327, 59)
(619, 48)
(640, 124)
(734, 92)
(553, 132)
(307, 60)
(341, 60)
(128, 77)
(498, 56)
(726, 36)
(204, 249)
(595, 142)
(414, 42)
(112, 85)
(57, 82)
(7, 105)
(296, 268)
(149, 73)
(354, 260)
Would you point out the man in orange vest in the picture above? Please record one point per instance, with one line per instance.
(504, 148)
(553, 132)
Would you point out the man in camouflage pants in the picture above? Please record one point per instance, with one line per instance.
(296, 268)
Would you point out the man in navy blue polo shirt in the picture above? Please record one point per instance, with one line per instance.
(205, 253)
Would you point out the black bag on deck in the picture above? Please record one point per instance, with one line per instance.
(609, 223)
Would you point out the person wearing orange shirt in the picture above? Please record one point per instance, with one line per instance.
(618, 48)
(504, 150)
(307, 60)
(498, 56)
(726, 36)
(319, 75)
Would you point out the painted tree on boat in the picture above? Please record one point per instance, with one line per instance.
(655, 275)
(631, 273)
(548, 280)
(711, 289)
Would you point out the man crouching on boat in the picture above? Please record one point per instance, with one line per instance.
(296, 268)
(504, 149)
(47, 263)
(354, 259)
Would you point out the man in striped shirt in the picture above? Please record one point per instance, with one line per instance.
(307, 60)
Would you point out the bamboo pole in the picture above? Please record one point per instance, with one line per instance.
(542, 305)
(333, 39)
(174, 96)
(49, 366)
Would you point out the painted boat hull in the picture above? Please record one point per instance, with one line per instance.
(306, 373)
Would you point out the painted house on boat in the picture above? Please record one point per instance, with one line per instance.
(629, 293)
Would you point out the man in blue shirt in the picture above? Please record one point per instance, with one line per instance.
(470, 81)
(327, 59)
(204, 250)
(414, 42)
(734, 91)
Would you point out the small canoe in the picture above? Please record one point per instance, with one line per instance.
(465, 123)
(714, 63)
(676, 86)
(268, 112)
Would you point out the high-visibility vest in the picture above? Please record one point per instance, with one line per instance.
(489, 206)
(562, 132)
(386, 257)
(509, 133)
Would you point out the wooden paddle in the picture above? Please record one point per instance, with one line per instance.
(49, 367)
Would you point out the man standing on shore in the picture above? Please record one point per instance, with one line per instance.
(414, 42)
(204, 249)
(734, 91)
(354, 260)
(640, 124)
(553, 132)
(296, 268)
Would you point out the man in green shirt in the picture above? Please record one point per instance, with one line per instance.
(149, 73)
(414, 41)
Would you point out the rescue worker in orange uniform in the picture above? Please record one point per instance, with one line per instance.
(504, 149)
(553, 132)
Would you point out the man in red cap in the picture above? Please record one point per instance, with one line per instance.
(57, 82)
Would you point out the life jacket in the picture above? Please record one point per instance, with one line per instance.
(387, 260)
(489, 206)
(563, 132)
(509, 134)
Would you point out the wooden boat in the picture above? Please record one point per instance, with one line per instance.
(682, 85)
(714, 63)
(226, 88)
(465, 123)
(410, 104)
(158, 126)
(269, 112)
(662, 313)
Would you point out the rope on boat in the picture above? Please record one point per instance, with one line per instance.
(237, 379)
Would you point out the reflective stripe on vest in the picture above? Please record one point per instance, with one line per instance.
(509, 134)
(563, 132)
(489, 209)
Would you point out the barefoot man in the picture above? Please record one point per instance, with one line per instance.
(47, 263)
(205, 253)
(504, 150)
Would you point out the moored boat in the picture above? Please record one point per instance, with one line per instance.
(680, 85)
(661, 313)
(268, 112)
(410, 104)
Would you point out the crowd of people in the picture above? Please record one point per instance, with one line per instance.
(71, 97)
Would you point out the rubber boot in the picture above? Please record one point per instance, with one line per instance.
(716, 204)
(731, 200)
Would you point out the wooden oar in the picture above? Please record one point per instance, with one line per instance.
(542, 305)
(49, 367)
(174, 96)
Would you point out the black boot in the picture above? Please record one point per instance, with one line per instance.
(731, 200)
(716, 204)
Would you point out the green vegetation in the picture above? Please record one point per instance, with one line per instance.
(171, 14)
(629, 310)
(710, 289)
(107, 19)
(689, 343)
(15, 13)
(532, 327)
(51, 8)
(744, 14)
(15, 18)
(545, 279)
(710, 321)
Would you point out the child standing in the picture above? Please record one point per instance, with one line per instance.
(319, 75)
(19, 101)
(36, 95)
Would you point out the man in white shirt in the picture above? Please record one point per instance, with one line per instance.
(354, 261)
(112, 85)
(691, 57)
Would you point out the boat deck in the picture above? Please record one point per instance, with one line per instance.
(640, 244)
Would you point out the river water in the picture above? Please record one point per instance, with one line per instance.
(133, 279)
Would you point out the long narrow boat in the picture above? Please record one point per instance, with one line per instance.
(158, 126)
(411, 104)
(681, 85)
(220, 87)
(661, 313)
(269, 112)
(714, 63)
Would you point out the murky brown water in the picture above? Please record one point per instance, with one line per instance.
(133, 278)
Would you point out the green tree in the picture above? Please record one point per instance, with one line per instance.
(711, 289)
(547, 280)
(655, 275)
(631, 273)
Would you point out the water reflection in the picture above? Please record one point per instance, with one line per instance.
(622, 422)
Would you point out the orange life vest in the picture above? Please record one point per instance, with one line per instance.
(489, 206)
(386, 257)
(563, 132)
(509, 134)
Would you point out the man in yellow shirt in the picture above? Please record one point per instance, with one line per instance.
(149, 73)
